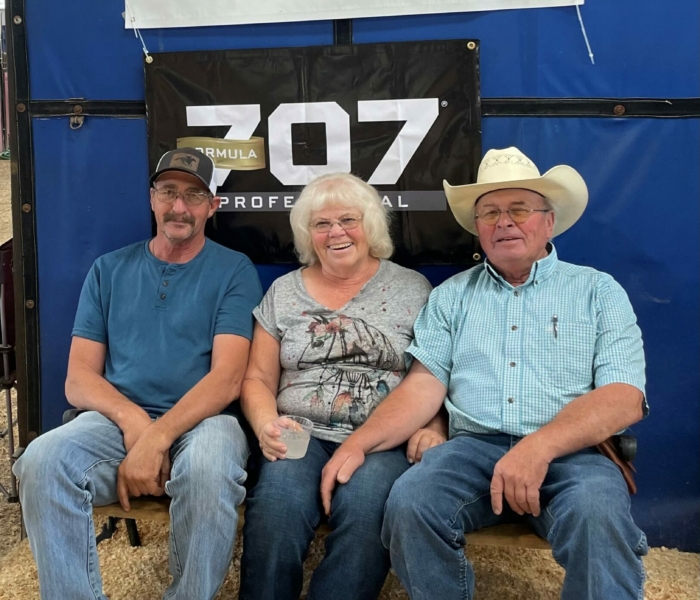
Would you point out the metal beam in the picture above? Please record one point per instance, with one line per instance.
(24, 229)
(490, 107)
(591, 107)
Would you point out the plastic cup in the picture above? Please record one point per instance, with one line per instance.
(295, 433)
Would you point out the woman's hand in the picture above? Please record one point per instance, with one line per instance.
(268, 436)
(420, 441)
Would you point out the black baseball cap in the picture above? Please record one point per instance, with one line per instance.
(188, 160)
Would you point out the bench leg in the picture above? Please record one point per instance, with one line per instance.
(110, 528)
(132, 530)
(107, 530)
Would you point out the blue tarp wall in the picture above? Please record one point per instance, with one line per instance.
(641, 224)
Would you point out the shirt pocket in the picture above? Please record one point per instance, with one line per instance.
(565, 352)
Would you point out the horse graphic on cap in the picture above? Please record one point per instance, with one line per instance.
(186, 160)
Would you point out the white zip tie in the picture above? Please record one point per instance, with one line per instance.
(137, 33)
(585, 37)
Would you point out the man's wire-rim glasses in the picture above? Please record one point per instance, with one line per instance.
(190, 198)
(518, 214)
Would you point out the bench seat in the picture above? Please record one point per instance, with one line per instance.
(152, 508)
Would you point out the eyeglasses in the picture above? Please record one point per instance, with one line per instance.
(346, 223)
(519, 214)
(191, 198)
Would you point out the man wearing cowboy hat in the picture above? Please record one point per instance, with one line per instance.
(537, 362)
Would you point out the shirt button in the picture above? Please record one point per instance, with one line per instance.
(165, 283)
(162, 296)
(511, 364)
(516, 293)
(510, 400)
(514, 327)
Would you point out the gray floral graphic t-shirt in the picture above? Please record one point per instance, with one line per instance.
(338, 365)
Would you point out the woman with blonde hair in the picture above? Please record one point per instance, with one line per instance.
(328, 345)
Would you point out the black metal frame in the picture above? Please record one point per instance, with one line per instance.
(591, 107)
(72, 107)
(23, 219)
(24, 227)
(342, 31)
(683, 108)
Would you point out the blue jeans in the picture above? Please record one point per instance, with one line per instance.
(585, 517)
(284, 509)
(64, 472)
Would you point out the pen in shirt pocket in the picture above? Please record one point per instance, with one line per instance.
(555, 329)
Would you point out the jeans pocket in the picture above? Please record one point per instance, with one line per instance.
(642, 548)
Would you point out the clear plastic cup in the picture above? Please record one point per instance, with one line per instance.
(295, 433)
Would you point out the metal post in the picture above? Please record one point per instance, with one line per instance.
(7, 384)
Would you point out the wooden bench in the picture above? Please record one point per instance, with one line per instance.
(156, 509)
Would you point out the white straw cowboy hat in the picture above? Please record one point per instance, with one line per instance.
(509, 168)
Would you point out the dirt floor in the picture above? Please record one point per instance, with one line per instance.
(142, 573)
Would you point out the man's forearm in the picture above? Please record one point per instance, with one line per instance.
(589, 420)
(87, 390)
(213, 393)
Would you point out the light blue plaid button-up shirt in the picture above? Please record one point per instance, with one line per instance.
(512, 358)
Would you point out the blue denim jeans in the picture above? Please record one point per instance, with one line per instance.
(66, 471)
(585, 517)
(284, 509)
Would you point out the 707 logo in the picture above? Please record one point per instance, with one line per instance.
(419, 115)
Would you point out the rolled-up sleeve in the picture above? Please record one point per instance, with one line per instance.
(619, 353)
(432, 344)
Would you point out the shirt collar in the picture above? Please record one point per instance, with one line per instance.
(539, 271)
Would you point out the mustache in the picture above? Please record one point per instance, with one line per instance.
(178, 218)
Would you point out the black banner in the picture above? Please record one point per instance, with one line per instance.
(403, 116)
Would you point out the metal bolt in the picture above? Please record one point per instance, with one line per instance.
(476, 256)
(77, 109)
(21, 108)
(26, 207)
(17, 20)
(619, 110)
(471, 45)
(29, 303)
(443, 103)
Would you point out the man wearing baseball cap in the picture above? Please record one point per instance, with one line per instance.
(160, 345)
(537, 361)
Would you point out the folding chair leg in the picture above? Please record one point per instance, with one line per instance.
(132, 530)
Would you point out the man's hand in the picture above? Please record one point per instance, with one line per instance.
(143, 472)
(133, 427)
(518, 476)
(420, 441)
(164, 471)
(344, 462)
